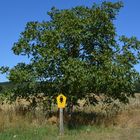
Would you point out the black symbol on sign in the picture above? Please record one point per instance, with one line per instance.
(61, 99)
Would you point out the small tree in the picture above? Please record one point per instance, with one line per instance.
(77, 53)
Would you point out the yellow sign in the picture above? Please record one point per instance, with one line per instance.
(61, 101)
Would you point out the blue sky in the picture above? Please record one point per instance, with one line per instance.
(14, 14)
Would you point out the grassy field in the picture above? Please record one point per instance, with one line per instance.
(125, 125)
(50, 132)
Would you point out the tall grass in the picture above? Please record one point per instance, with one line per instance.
(100, 122)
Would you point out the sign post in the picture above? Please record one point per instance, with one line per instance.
(61, 102)
(61, 121)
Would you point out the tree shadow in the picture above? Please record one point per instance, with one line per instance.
(79, 119)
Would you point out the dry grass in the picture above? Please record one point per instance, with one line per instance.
(89, 123)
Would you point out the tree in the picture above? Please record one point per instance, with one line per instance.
(1, 88)
(77, 52)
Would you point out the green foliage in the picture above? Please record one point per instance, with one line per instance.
(76, 53)
(1, 88)
(137, 86)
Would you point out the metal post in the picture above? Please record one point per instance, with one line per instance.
(61, 121)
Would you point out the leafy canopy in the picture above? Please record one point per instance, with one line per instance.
(77, 52)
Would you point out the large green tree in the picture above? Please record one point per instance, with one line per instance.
(77, 52)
